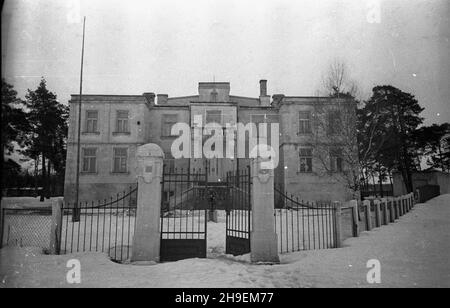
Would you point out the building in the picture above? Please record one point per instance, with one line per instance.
(113, 126)
(422, 178)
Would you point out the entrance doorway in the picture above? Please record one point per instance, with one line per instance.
(187, 199)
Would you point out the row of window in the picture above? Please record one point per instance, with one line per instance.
(213, 116)
(122, 123)
(120, 159)
(306, 159)
(333, 124)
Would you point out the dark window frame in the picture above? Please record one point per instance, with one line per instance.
(89, 161)
(336, 160)
(217, 111)
(122, 160)
(165, 130)
(304, 122)
(334, 122)
(91, 123)
(122, 123)
(305, 160)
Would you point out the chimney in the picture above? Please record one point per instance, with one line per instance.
(150, 97)
(264, 100)
(162, 98)
(263, 87)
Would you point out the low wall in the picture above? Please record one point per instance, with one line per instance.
(375, 213)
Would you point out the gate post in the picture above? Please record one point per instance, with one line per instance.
(55, 230)
(384, 207)
(392, 209)
(377, 213)
(338, 223)
(366, 204)
(147, 235)
(401, 206)
(355, 222)
(263, 239)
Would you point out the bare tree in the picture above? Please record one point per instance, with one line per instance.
(337, 81)
(335, 143)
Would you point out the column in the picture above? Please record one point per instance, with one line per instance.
(146, 240)
(263, 239)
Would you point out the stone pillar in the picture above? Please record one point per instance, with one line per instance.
(400, 206)
(366, 205)
(338, 219)
(146, 240)
(392, 209)
(355, 219)
(55, 235)
(384, 210)
(377, 213)
(396, 216)
(263, 239)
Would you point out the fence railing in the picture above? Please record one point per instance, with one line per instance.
(373, 213)
(304, 225)
(103, 226)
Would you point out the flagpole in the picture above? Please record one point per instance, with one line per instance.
(76, 213)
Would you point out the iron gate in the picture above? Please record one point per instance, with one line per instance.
(302, 225)
(184, 206)
(238, 212)
(103, 226)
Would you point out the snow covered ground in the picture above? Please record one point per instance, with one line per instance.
(413, 252)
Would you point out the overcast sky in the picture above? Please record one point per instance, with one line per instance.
(169, 46)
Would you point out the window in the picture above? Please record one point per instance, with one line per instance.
(120, 160)
(91, 121)
(214, 96)
(304, 124)
(305, 155)
(334, 122)
(89, 160)
(168, 121)
(336, 160)
(122, 121)
(214, 116)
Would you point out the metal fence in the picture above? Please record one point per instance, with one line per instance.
(26, 227)
(303, 225)
(103, 226)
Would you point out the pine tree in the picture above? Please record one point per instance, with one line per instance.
(48, 120)
(14, 121)
(433, 142)
(397, 115)
(14, 128)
